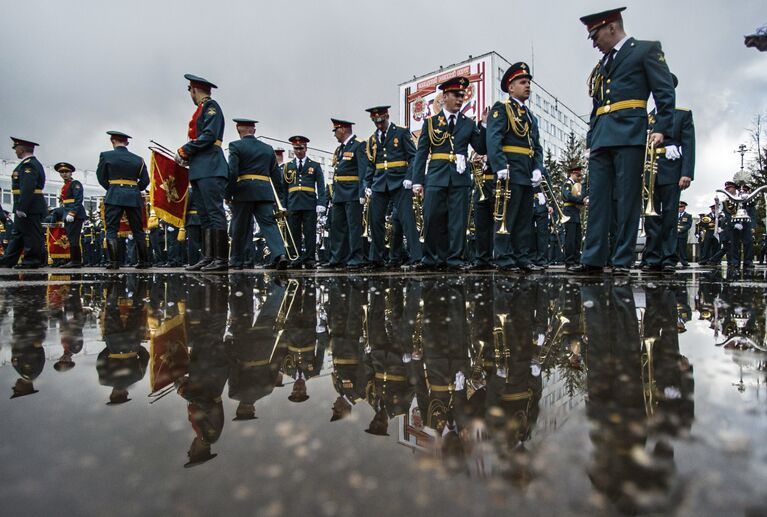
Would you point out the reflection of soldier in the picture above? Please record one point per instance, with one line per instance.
(616, 402)
(252, 347)
(345, 326)
(304, 356)
(392, 389)
(514, 390)
(71, 322)
(123, 362)
(28, 334)
(208, 367)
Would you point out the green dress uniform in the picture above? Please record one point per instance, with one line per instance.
(620, 85)
(350, 163)
(444, 137)
(484, 224)
(27, 335)
(390, 153)
(513, 143)
(661, 248)
(305, 192)
(208, 173)
(572, 203)
(27, 183)
(72, 203)
(252, 165)
(710, 242)
(124, 176)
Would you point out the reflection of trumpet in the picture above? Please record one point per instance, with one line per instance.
(288, 297)
(499, 342)
(547, 349)
(648, 371)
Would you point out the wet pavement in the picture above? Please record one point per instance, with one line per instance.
(323, 394)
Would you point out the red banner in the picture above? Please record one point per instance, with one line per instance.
(58, 244)
(169, 188)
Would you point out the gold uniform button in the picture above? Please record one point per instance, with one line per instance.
(609, 81)
(608, 90)
(608, 101)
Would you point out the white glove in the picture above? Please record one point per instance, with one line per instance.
(179, 159)
(738, 226)
(130, 236)
(535, 369)
(503, 174)
(20, 214)
(321, 209)
(407, 184)
(536, 178)
(362, 201)
(368, 191)
(673, 152)
(586, 154)
(171, 229)
(406, 358)
(69, 218)
(320, 329)
(460, 381)
(460, 163)
(541, 199)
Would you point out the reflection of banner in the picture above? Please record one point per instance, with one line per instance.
(58, 244)
(168, 190)
(168, 355)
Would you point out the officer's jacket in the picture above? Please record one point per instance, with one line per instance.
(123, 175)
(350, 162)
(307, 189)
(252, 165)
(27, 183)
(638, 69)
(389, 161)
(513, 141)
(683, 135)
(203, 150)
(683, 224)
(72, 199)
(571, 204)
(436, 144)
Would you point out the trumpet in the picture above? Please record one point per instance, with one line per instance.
(418, 211)
(649, 173)
(552, 200)
(502, 196)
(477, 167)
(366, 218)
(281, 217)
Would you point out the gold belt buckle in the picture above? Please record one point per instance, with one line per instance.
(606, 108)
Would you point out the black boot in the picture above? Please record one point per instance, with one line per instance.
(112, 254)
(75, 258)
(221, 252)
(207, 251)
(142, 253)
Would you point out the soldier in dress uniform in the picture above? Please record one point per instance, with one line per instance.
(72, 202)
(28, 331)
(683, 225)
(29, 207)
(123, 362)
(253, 180)
(676, 170)
(208, 174)
(305, 186)
(390, 150)
(350, 163)
(516, 156)
(573, 199)
(620, 85)
(741, 232)
(710, 243)
(304, 352)
(124, 176)
(445, 137)
(88, 243)
(542, 212)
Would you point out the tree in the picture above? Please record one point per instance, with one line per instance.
(757, 162)
(573, 154)
(554, 169)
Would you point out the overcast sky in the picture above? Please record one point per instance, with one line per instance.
(71, 70)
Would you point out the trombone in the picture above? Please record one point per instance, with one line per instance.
(281, 217)
(551, 199)
(284, 312)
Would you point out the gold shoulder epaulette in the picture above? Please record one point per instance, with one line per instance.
(682, 109)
